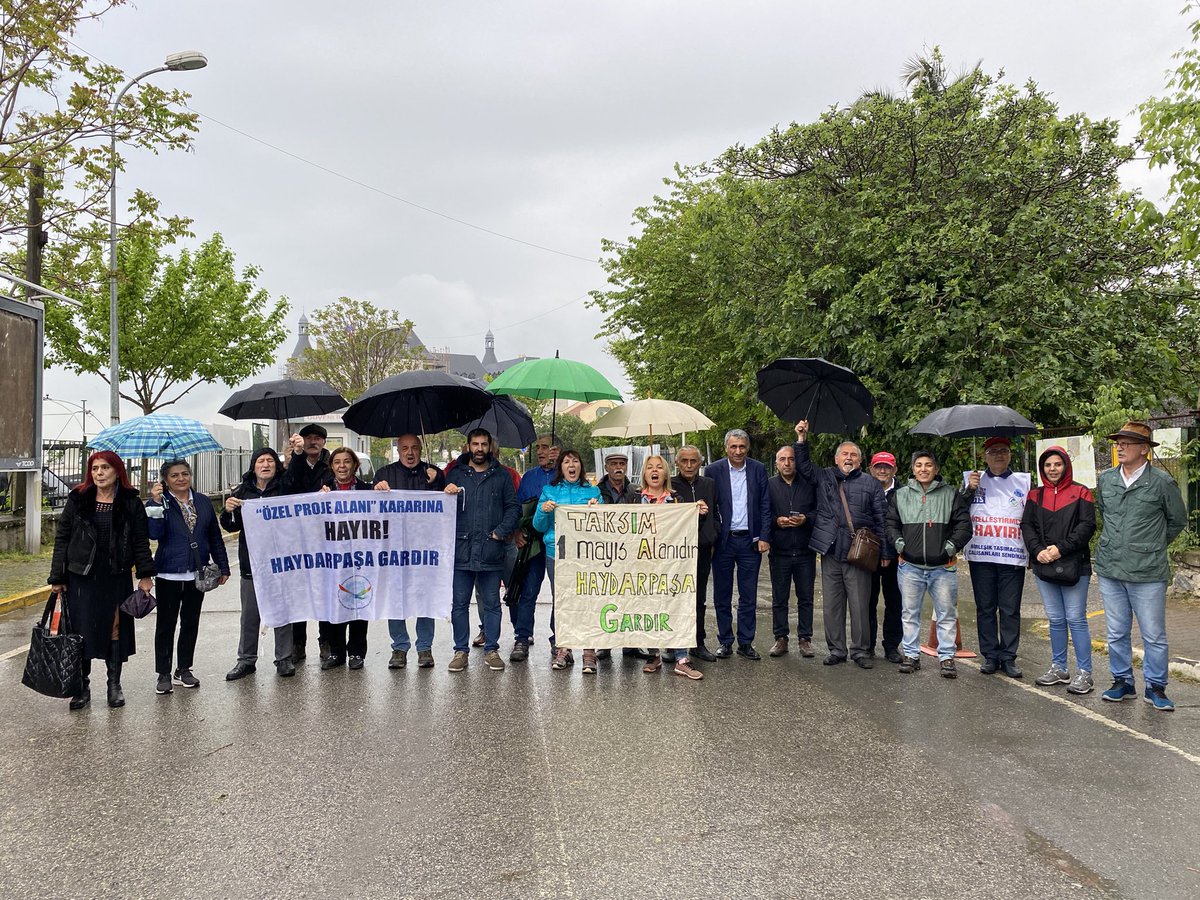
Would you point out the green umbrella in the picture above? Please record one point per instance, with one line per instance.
(549, 379)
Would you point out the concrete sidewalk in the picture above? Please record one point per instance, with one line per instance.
(1183, 624)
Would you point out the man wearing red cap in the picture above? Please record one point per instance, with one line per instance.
(883, 469)
(1143, 512)
(996, 555)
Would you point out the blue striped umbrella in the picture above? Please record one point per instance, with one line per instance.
(156, 436)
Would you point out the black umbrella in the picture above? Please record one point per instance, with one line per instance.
(829, 396)
(289, 398)
(974, 420)
(508, 421)
(419, 402)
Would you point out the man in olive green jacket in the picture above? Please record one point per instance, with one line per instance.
(1143, 512)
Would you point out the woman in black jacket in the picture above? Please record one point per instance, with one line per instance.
(344, 465)
(101, 535)
(1057, 525)
(185, 525)
(264, 479)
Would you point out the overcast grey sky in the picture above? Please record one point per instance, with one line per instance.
(546, 121)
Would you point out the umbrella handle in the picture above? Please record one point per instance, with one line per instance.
(816, 393)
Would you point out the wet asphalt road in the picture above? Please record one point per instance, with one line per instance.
(772, 778)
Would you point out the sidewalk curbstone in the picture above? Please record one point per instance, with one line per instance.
(1178, 666)
(27, 598)
(38, 594)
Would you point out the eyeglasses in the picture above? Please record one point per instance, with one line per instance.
(1125, 445)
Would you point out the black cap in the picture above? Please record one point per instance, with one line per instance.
(318, 430)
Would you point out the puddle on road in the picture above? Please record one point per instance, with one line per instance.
(1070, 866)
(1054, 856)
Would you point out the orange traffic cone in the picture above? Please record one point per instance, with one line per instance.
(930, 647)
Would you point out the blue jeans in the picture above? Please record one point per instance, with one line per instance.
(942, 585)
(399, 634)
(737, 550)
(1148, 601)
(510, 561)
(1066, 608)
(522, 613)
(465, 582)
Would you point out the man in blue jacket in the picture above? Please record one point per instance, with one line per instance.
(843, 586)
(744, 504)
(546, 450)
(487, 515)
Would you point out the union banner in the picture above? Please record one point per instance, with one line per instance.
(996, 519)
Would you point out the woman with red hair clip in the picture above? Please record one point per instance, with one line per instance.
(101, 535)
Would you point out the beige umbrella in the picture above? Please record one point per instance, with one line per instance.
(651, 416)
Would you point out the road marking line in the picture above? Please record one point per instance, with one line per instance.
(1097, 717)
(1094, 613)
(11, 653)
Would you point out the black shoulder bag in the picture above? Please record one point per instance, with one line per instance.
(1066, 570)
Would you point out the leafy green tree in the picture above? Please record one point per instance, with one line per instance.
(183, 320)
(961, 243)
(1171, 138)
(357, 344)
(574, 433)
(56, 111)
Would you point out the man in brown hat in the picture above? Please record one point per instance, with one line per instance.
(1143, 512)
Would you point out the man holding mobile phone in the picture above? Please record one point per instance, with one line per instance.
(791, 561)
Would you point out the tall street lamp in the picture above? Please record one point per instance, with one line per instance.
(367, 360)
(177, 62)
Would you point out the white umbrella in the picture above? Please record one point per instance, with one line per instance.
(651, 416)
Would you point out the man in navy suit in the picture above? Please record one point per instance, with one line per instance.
(744, 503)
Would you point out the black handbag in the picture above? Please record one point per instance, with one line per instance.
(54, 665)
(1066, 570)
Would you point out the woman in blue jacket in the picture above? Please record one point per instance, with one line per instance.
(185, 526)
(567, 487)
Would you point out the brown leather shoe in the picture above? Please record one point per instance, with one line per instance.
(806, 649)
(780, 647)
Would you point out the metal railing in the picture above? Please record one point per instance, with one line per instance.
(63, 462)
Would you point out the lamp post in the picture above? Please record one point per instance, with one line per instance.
(367, 355)
(177, 62)
(83, 410)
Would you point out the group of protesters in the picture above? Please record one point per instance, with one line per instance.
(875, 535)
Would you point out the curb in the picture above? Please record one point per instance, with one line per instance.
(39, 594)
(1178, 666)
(28, 598)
